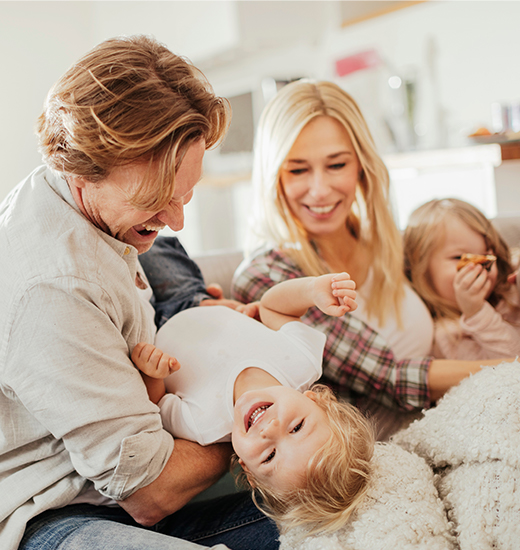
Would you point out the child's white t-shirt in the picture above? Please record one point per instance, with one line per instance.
(213, 345)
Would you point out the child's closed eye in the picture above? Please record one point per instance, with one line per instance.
(270, 457)
(298, 427)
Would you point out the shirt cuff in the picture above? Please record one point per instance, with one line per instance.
(141, 459)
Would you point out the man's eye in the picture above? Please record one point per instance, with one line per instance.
(270, 457)
(297, 428)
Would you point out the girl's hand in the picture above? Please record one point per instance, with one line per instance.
(335, 294)
(153, 362)
(472, 286)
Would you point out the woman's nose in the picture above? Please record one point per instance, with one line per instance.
(318, 186)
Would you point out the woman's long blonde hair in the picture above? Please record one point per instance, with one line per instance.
(370, 219)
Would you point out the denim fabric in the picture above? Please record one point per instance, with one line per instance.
(176, 280)
(232, 521)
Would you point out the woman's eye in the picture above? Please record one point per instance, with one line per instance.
(337, 166)
(297, 171)
(297, 428)
(270, 457)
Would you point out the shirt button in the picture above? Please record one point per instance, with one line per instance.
(127, 251)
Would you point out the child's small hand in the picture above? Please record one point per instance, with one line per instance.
(472, 286)
(335, 294)
(153, 362)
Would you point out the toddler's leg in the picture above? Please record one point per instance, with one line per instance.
(176, 280)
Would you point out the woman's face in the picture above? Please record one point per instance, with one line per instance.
(319, 176)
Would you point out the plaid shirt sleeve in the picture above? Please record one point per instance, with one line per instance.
(357, 363)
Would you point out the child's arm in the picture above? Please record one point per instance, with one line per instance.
(334, 294)
(155, 366)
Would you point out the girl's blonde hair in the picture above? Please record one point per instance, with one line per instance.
(370, 220)
(426, 231)
(130, 99)
(337, 476)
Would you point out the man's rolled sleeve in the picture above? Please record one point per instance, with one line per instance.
(141, 460)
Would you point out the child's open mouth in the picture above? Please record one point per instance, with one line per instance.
(255, 413)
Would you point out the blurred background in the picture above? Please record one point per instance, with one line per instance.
(427, 75)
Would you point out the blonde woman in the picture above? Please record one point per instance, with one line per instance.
(321, 205)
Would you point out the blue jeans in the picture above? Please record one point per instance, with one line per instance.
(232, 520)
(176, 280)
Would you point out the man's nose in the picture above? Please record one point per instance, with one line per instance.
(173, 216)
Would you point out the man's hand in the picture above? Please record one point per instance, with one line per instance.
(335, 294)
(472, 286)
(189, 470)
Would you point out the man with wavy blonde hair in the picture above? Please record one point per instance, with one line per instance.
(84, 460)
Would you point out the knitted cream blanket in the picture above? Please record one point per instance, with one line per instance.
(450, 480)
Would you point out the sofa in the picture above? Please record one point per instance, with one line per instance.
(219, 266)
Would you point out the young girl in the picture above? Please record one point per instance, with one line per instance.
(476, 311)
(251, 380)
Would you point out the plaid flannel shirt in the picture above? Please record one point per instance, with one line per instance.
(357, 363)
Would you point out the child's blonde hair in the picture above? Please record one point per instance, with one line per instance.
(336, 479)
(370, 219)
(426, 231)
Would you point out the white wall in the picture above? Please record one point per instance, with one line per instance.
(463, 53)
(40, 40)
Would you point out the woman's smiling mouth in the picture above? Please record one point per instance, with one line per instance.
(321, 210)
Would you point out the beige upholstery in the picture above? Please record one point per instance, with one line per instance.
(219, 266)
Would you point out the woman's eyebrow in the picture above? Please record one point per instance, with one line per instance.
(331, 157)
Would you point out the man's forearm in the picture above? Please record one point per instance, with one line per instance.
(189, 470)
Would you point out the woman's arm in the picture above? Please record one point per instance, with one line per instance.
(443, 374)
(357, 361)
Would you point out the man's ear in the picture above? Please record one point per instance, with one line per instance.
(77, 182)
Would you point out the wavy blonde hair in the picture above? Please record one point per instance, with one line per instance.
(130, 100)
(337, 476)
(371, 219)
(426, 231)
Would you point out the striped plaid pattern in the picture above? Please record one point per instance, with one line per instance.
(357, 362)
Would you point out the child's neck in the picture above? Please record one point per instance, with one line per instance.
(253, 378)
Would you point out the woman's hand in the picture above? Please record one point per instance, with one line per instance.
(251, 310)
(472, 286)
(335, 294)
